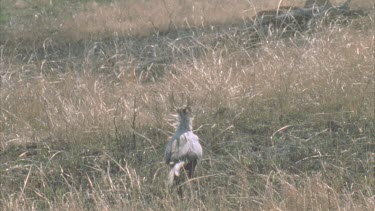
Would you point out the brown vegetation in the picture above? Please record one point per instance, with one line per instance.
(285, 125)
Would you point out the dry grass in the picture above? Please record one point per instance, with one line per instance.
(288, 125)
(77, 20)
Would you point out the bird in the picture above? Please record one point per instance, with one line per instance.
(183, 150)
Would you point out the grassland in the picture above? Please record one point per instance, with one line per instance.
(287, 124)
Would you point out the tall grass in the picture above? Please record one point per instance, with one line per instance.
(287, 125)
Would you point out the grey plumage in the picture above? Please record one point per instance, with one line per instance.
(183, 147)
(183, 150)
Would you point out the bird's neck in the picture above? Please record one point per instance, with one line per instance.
(184, 125)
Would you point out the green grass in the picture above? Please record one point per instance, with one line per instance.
(85, 113)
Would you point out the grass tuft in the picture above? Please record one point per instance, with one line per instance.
(285, 124)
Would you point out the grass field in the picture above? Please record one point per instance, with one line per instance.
(287, 124)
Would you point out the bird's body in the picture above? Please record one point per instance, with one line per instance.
(183, 150)
(184, 147)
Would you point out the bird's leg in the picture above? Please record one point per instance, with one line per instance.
(191, 168)
(178, 186)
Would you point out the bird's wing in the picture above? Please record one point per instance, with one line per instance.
(183, 147)
(168, 152)
(174, 151)
(197, 148)
(192, 149)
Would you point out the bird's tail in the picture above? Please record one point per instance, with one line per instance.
(175, 171)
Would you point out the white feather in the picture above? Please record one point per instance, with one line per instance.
(184, 146)
(175, 171)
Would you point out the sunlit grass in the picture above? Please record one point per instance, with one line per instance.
(286, 125)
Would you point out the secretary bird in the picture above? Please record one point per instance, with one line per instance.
(183, 151)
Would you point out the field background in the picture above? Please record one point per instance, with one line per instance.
(287, 124)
